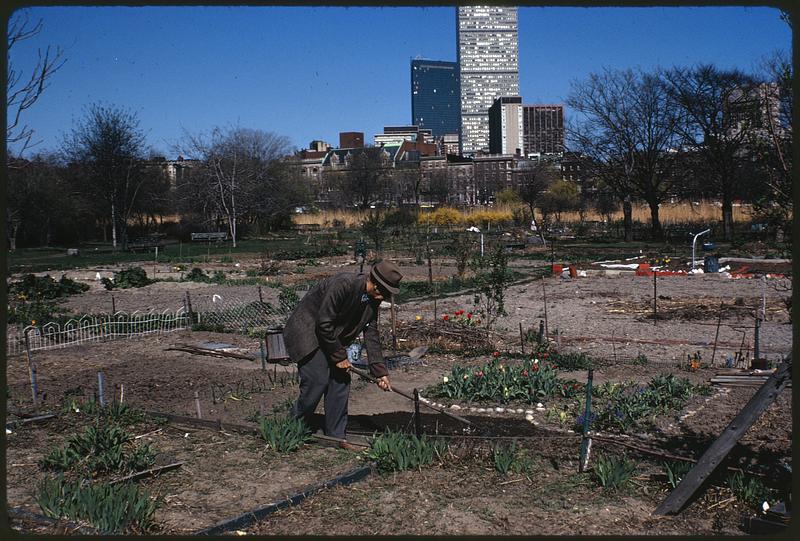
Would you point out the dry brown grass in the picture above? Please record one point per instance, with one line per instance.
(677, 213)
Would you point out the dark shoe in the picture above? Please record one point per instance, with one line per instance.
(350, 447)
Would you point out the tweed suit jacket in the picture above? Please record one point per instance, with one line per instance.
(330, 317)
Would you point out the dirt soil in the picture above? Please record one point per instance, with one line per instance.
(225, 474)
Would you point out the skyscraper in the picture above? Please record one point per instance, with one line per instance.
(543, 129)
(434, 96)
(505, 125)
(488, 67)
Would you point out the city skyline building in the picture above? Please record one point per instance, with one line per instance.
(435, 98)
(488, 61)
(543, 129)
(505, 125)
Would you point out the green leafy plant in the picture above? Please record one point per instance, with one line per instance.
(100, 449)
(128, 278)
(284, 435)
(676, 470)
(111, 508)
(613, 473)
(530, 381)
(640, 360)
(398, 451)
(748, 489)
(491, 277)
(506, 458)
(572, 361)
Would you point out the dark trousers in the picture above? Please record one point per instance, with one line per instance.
(319, 377)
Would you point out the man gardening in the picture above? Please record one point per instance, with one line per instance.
(329, 317)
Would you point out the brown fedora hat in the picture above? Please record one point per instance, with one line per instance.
(386, 275)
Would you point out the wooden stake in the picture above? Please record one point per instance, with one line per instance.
(263, 354)
(197, 405)
(113, 305)
(521, 339)
(655, 299)
(32, 373)
(544, 296)
(417, 421)
(121, 392)
(394, 327)
(614, 345)
(101, 396)
(260, 297)
(716, 336)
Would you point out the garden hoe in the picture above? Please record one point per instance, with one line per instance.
(367, 377)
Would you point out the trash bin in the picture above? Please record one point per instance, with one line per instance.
(711, 263)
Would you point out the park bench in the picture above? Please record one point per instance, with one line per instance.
(145, 244)
(209, 236)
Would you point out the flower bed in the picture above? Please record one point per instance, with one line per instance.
(529, 381)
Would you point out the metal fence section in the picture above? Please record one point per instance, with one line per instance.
(240, 312)
(244, 315)
(95, 328)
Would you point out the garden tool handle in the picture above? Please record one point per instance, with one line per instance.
(367, 377)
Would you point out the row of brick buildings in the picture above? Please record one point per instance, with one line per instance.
(418, 172)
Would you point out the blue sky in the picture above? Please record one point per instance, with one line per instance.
(311, 72)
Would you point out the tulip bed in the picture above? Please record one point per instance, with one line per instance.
(528, 381)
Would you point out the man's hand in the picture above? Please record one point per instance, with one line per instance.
(383, 383)
(344, 365)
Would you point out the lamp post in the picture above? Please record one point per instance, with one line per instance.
(694, 243)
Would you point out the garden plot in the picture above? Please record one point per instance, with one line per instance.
(464, 482)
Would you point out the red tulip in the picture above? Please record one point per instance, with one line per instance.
(446, 317)
(495, 354)
(469, 315)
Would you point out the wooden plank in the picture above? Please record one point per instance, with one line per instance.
(718, 450)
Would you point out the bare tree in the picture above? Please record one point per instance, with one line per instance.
(718, 107)
(24, 89)
(630, 126)
(533, 182)
(238, 175)
(773, 145)
(109, 147)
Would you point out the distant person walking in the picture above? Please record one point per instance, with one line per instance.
(329, 317)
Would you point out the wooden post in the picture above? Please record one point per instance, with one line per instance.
(614, 345)
(394, 328)
(32, 373)
(197, 405)
(716, 336)
(113, 305)
(101, 396)
(718, 450)
(521, 338)
(263, 354)
(189, 304)
(544, 296)
(121, 392)
(541, 331)
(655, 299)
(586, 441)
(260, 297)
(417, 420)
(756, 344)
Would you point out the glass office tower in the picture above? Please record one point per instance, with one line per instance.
(488, 67)
(434, 96)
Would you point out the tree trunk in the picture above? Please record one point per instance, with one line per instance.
(655, 222)
(113, 226)
(627, 212)
(727, 219)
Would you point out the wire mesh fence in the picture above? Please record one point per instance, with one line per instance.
(242, 311)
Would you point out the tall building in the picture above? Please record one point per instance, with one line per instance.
(543, 129)
(488, 67)
(505, 125)
(434, 96)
